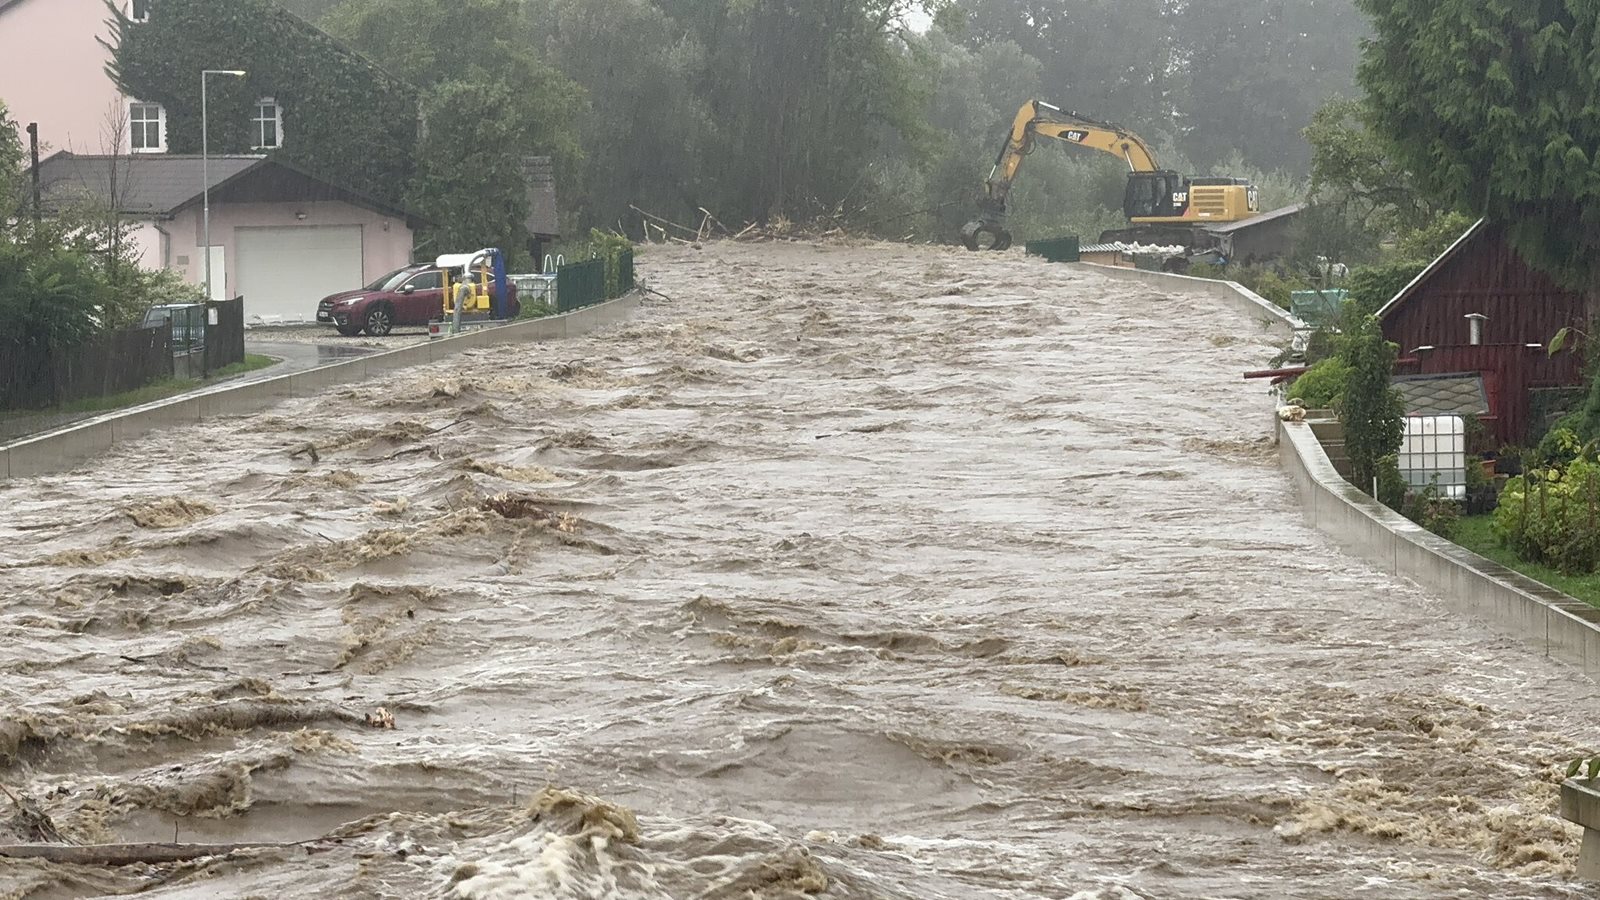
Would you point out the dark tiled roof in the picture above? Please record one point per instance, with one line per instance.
(159, 184)
(1443, 395)
(1262, 219)
(541, 180)
(152, 184)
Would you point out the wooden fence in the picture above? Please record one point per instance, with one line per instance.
(38, 376)
(34, 375)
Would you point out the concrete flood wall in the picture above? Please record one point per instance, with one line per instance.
(1228, 293)
(1560, 626)
(68, 447)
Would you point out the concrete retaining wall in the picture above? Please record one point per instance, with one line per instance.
(1230, 293)
(68, 447)
(1562, 627)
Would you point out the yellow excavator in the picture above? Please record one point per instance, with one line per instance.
(1165, 207)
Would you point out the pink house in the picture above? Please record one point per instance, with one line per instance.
(280, 237)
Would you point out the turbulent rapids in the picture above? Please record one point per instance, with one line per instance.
(839, 572)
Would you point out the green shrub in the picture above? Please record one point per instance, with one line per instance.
(1372, 412)
(1552, 516)
(1371, 287)
(1273, 288)
(609, 247)
(1560, 446)
(1392, 485)
(1431, 510)
(1322, 386)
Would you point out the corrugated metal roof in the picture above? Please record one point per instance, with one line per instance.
(152, 184)
(1422, 278)
(1457, 394)
(541, 180)
(1253, 221)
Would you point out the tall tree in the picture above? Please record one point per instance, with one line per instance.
(805, 93)
(11, 154)
(1256, 70)
(488, 100)
(647, 136)
(1109, 59)
(1495, 108)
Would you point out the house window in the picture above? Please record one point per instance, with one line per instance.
(147, 128)
(268, 124)
(139, 10)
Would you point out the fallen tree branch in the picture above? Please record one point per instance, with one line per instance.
(130, 854)
(715, 220)
(655, 218)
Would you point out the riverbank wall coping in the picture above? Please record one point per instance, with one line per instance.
(69, 447)
(1554, 623)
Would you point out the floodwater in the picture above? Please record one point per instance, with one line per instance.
(846, 571)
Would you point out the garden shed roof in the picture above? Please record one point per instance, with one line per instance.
(1457, 394)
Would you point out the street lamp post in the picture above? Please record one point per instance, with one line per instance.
(205, 166)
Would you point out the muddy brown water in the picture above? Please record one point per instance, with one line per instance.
(847, 571)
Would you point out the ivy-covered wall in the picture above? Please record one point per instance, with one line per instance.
(344, 119)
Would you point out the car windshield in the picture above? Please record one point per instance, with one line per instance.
(390, 281)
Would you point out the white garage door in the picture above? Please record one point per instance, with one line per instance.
(283, 272)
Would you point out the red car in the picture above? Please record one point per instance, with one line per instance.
(408, 297)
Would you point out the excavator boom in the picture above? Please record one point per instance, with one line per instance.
(1154, 195)
(1040, 119)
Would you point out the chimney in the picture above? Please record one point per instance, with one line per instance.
(1476, 321)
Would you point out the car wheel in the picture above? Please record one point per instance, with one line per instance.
(350, 330)
(380, 320)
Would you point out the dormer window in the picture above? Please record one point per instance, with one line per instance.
(139, 10)
(267, 126)
(147, 127)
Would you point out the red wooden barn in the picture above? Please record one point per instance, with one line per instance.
(1480, 309)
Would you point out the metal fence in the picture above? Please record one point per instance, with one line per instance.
(1062, 249)
(624, 274)
(224, 333)
(38, 376)
(592, 281)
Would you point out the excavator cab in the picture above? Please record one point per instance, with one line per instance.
(1163, 194)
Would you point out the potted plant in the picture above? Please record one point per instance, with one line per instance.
(1482, 493)
(1510, 461)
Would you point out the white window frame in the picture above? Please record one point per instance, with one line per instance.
(256, 121)
(133, 16)
(161, 128)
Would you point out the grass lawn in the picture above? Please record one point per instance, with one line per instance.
(1476, 534)
(149, 393)
(167, 387)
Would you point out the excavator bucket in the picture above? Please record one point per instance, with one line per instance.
(972, 235)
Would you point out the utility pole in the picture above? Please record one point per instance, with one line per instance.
(33, 142)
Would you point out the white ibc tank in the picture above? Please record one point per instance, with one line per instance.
(1435, 447)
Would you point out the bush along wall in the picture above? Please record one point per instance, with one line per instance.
(344, 119)
(1552, 516)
